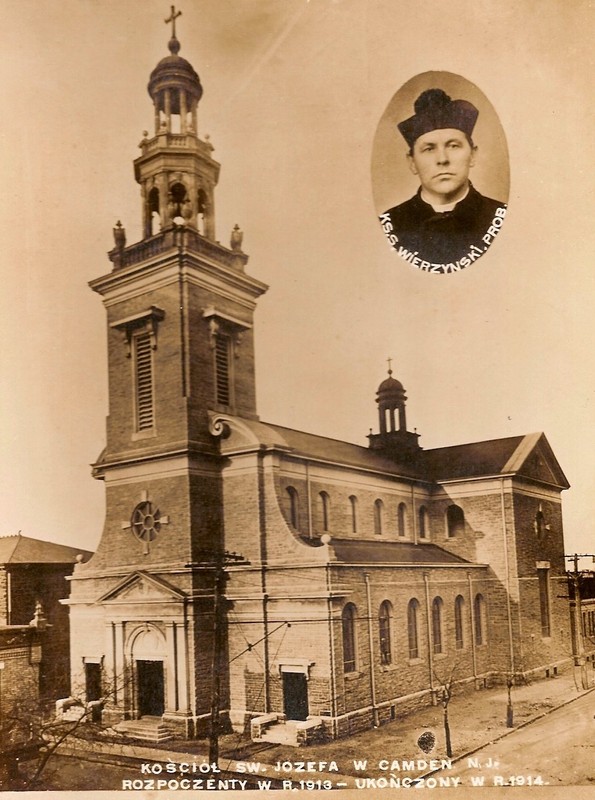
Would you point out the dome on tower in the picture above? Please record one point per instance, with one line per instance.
(174, 73)
(390, 388)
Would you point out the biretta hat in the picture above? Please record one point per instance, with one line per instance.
(434, 110)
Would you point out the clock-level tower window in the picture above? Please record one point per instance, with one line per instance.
(143, 365)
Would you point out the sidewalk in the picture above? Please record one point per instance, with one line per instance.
(476, 718)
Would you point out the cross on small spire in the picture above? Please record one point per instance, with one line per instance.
(172, 18)
(390, 365)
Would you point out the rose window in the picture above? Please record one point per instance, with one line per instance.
(146, 521)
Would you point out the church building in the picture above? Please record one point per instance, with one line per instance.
(329, 586)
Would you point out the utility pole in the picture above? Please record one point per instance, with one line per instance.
(576, 576)
(221, 562)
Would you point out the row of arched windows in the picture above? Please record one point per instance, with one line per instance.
(349, 619)
(454, 516)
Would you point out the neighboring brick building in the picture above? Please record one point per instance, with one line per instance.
(34, 572)
(368, 573)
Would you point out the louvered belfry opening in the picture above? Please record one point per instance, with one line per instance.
(144, 382)
(223, 388)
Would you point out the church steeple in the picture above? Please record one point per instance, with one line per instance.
(175, 169)
(394, 438)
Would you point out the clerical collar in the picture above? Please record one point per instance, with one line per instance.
(447, 206)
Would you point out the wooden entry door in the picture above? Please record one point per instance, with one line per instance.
(295, 695)
(151, 690)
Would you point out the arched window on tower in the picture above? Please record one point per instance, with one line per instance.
(424, 523)
(413, 627)
(402, 519)
(293, 506)
(459, 625)
(378, 517)
(349, 639)
(437, 625)
(178, 203)
(353, 504)
(154, 212)
(455, 521)
(202, 208)
(385, 614)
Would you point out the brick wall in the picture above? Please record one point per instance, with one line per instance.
(19, 676)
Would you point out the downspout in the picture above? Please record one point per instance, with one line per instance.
(429, 631)
(375, 719)
(332, 650)
(508, 608)
(263, 578)
(414, 514)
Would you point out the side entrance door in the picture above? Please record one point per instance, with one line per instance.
(295, 695)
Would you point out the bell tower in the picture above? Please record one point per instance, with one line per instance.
(394, 439)
(180, 309)
(175, 169)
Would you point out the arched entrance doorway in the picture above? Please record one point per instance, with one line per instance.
(148, 663)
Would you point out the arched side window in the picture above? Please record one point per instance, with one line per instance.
(455, 521)
(424, 523)
(479, 621)
(324, 504)
(459, 627)
(437, 625)
(378, 516)
(413, 627)
(353, 503)
(348, 618)
(402, 519)
(293, 506)
(459, 623)
(385, 614)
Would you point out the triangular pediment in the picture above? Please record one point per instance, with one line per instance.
(534, 459)
(141, 587)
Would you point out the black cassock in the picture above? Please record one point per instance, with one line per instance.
(445, 237)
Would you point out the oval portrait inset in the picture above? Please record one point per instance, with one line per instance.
(440, 174)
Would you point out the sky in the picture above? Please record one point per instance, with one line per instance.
(294, 91)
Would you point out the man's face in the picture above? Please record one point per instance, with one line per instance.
(442, 159)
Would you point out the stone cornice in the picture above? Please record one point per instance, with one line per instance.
(168, 268)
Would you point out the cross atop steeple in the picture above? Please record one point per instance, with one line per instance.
(389, 361)
(172, 18)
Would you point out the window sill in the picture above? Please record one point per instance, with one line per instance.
(388, 667)
(351, 676)
(413, 661)
(148, 434)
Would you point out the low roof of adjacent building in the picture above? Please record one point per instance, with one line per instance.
(19, 549)
(354, 551)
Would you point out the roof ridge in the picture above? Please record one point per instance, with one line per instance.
(317, 435)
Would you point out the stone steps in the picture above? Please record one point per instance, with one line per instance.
(146, 729)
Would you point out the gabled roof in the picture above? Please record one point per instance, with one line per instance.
(19, 549)
(529, 456)
(354, 551)
(321, 447)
